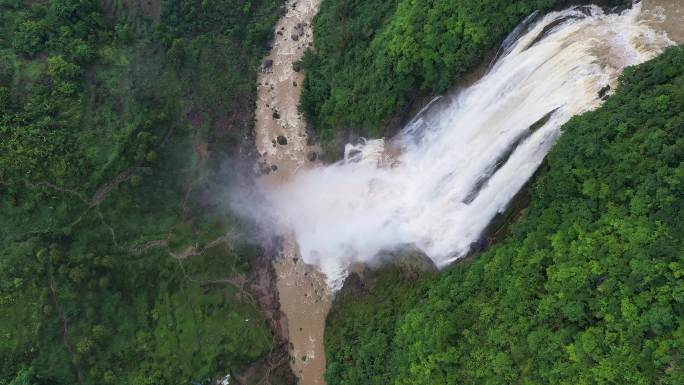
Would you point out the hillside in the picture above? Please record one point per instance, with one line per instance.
(374, 59)
(587, 287)
(170, 212)
(120, 125)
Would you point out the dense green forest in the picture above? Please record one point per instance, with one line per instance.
(115, 120)
(121, 121)
(372, 59)
(588, 286)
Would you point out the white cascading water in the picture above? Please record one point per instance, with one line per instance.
(461, 160)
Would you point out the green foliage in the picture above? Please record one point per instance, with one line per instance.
(354, 354)
(250, 22)
(372, 58)
(588, 287)
(107, 140)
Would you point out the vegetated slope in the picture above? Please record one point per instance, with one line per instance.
(111, 128)
(588, 287)
(372, 58)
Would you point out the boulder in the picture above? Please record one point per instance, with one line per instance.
(281, 140)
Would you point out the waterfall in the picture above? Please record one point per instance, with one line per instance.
(460, 161)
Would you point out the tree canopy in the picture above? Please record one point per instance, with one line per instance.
(586, 289)
(114, 268)
(372, 59)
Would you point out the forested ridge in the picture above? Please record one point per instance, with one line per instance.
(116, 119)
(586, 289)
(372, 59)
(120, 123)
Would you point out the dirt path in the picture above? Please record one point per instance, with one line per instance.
(65, 331)
(281, 140)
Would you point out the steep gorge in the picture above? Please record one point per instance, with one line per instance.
(357, 197)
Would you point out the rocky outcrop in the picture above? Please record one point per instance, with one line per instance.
(407, 258)
(263, 285)
(274, 369)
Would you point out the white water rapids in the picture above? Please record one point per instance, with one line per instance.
(464, 157)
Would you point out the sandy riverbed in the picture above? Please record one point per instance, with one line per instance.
(282, 142)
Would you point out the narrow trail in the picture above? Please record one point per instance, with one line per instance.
(282, 143)
(65, 331)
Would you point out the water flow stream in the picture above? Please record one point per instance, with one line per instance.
(442, 179)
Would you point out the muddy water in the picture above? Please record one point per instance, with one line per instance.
(666, 16)
(304, 296)
(281, 140)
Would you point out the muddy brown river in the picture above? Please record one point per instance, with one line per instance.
(282, 143)
(666, 16)
(281, 140)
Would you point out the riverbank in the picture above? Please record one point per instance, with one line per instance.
(282, 143)
(285, 149)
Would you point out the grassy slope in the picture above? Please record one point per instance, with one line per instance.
(111, 129)
(588, 287)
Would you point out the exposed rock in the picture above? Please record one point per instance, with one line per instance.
(273, 369)
(266, 65)
(603, 92)
(549, 28)
(264, 169)
(297, 298)
(312, 156)
(353, 287)
(263, 285)
(406, 264)
(408, 258)
(297, 31)
(585, 9)
(281, 140)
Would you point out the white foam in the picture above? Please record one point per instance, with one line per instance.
(424, 195)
